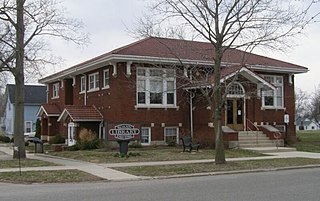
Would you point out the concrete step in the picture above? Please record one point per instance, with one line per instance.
(253, 138)
(257, 145)
(242, 133)
(270, 149)
(255, 142)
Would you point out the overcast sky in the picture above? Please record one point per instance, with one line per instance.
(106, 22)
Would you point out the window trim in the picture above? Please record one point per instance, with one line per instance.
(149, 137)
(275, 103)
(25, 126)
(95, 88)
(164, 133)
(104, 79)
(55, 90)
(83, 80)
(164, 79)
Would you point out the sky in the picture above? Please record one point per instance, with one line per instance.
(107, 22)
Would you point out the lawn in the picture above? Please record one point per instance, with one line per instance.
(57, 176)
(308, 141)
(14, 163)
(167, 170)
(149, 154)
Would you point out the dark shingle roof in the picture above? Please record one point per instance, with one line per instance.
(33, 94)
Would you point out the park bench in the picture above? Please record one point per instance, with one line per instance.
(188, 145)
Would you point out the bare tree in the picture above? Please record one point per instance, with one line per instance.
(226, 24)
(25, 26)
(302, 103)
(314, 107)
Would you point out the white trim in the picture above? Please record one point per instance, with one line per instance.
(25, 126)
(149, 135)
(100, 61)
(147, 78)
(55, 90)
(95, 88)
(106, 86)
(164, 133)
(83, 80)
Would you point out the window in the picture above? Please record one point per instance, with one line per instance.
(83, 84)
(94, 82)
(55, 90)
(28, 126)
(171, 135)
(273, 98)
(156, 87)
(106, 79)
(145, 135)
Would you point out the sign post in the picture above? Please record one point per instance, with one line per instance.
(286, 121)
(123, 133)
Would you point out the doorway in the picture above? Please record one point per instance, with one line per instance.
(235, 113)
(71, 134)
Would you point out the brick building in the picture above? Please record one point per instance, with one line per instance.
(158, 85)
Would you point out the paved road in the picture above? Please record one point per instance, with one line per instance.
(297, 185)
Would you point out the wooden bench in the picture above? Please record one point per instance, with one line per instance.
(188, 145)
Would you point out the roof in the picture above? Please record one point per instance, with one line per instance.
(33, 94)
(50, 109)
(81, 113)
(228, 72)
(173, 51)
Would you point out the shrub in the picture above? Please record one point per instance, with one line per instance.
(135, 144)
(86, 145)
(86, 135)
(172, 143)
(38, 129)
(58, 139)
(4, 139)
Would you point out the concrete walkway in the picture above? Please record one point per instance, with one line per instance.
(104, 170)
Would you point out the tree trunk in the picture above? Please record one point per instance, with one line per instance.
(19, 82)
(217, 96)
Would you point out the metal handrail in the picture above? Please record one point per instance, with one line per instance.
(256, 131)
(277, 136)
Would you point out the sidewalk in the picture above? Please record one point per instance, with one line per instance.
(104, 170)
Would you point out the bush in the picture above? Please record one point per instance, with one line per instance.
(86, 145)
(58, 139)
(86, 135)
(38, 129)
(135, 144)
(172, 143)
(4, 139)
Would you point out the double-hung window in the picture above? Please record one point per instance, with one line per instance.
(28, 126)
(171, 135)
(55, 90)
(273, 98)
(156, 87)
(106, 79)
(83, 84)
(94, 82)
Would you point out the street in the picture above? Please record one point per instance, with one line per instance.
(286, 185)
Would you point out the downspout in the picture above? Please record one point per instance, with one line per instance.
(191, 114)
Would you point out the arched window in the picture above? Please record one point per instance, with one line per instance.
(235, 89)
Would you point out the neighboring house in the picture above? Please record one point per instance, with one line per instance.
(306, 124)
(147, 83)
(34, 96)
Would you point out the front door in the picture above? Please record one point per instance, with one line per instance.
(235, 113)
(71, 134)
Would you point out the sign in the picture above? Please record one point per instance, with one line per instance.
(123, 132)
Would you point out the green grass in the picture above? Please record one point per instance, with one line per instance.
(57, 176)
(14, 163)
(308, 141)
(167, 170)
(150, 154)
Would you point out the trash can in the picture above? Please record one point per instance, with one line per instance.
(123, 147)
(38, 145)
